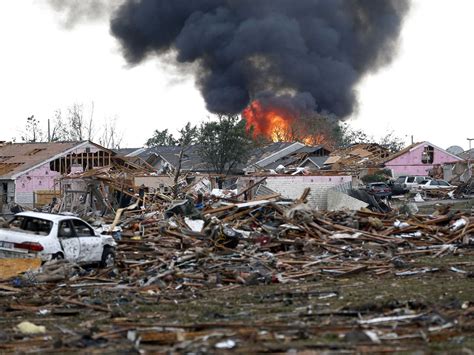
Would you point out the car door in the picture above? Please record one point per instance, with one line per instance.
(68, 240)
(91, 245)
(444, 184)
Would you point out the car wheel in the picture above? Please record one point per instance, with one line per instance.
(108, 257)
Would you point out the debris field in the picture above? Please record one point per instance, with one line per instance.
(266, 275)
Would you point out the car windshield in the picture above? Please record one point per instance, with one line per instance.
(31, 225)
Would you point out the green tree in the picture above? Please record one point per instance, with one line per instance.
(161, 138)
(392, 142)
(225, 143)
(349, 135)
(187, 135)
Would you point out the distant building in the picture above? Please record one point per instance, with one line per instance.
(419, 159)
(288, 155)
(265, 158)
(30, 168)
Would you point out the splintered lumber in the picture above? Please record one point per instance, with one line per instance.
(250, 187)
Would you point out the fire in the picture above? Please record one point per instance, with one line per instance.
(277, 124)
(272, 123)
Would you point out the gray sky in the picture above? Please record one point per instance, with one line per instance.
(427, 92)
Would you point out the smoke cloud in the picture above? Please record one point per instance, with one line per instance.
(77, 11)
(301, 52)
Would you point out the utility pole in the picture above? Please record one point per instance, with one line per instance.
(470, 155)
(49, 131)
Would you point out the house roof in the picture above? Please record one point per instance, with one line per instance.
(125, 151)
(467, 154)
(402, 152)
(415, 146)
(191, 158)
(268, 157)
(19, 158)
(359, 155)
(260, 153)
(316, 161)
(297, 157)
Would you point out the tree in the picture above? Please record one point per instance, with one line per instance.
(188, 136)
(225, 143)
(392, 142)
(351, 136)
(74, 127)
(33, 132)
(58, 129)
(110, 137)
(79, 128)
(161, 138)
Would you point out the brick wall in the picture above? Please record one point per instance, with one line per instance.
(293, 186)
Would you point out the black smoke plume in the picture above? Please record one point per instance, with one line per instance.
(313, 50)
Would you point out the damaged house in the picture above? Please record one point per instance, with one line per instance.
(358, 159)
(30, 170)
(166, 158)
(419, 159)
(283, 156)
(265, 158)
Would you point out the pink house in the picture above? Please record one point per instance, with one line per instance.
(418, 159)
(29, 168)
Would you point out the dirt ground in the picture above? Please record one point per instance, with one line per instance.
(428, 312)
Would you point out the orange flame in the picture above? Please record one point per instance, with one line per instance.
(268, 122)
(276, 124)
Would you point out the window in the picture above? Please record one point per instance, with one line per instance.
(442, 183)
(82, 229)
(16, 222)
(427, 156)
(65, 230)
(411, 179)
(31, 225)
(400, 180)
(433, 183)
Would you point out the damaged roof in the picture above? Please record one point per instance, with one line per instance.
(191, 158)
(357, 156)
(299, 156)
(268, 157)
(266, 152)
(416, 145)
(16, 158)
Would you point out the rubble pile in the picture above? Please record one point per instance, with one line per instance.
(172, 254)
(273, 242)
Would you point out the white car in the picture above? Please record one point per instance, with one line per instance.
(53, 236)
(436, 185)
